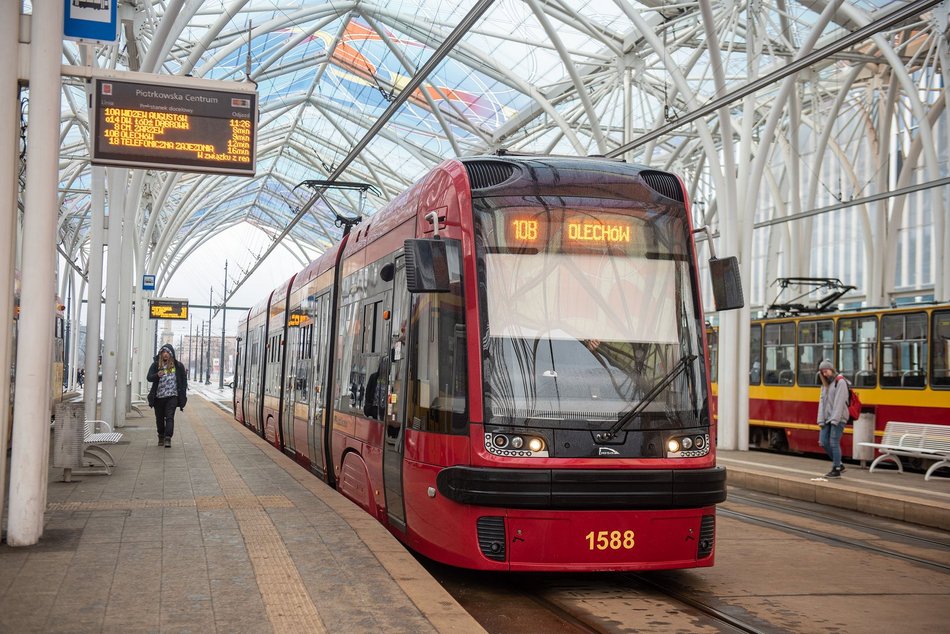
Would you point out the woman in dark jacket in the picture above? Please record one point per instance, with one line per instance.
(169, 390)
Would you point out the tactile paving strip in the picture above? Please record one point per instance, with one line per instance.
(289, 607)
(203, 503)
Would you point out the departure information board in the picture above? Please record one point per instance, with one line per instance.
(174, 127)
(168, 308)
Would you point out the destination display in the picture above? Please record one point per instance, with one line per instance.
(174, 127)
(582, 229)
(168, 308)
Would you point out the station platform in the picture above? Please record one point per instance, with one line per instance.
(218, 533)
(886, 492)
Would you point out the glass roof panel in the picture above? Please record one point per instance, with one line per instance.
(531, 75)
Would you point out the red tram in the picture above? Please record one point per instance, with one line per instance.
(506, 367)
(897, 359)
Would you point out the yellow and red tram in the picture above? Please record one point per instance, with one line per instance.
(897, 359)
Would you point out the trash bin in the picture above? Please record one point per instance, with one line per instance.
(863, 431)
(68, 433)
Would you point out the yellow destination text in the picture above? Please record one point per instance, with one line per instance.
(587, 232)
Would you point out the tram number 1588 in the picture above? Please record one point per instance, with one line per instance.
(611, 540)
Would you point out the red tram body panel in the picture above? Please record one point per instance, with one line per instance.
(543, 405)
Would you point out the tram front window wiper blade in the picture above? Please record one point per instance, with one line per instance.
(648, 398)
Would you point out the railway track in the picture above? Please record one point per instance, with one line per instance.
(590, 603)
(874, 531)
(843, 518)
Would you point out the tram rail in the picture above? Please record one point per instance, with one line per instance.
(830, 515)
(719, 616)
(828, 538)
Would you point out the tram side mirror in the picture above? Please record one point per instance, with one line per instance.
(427, 266)
(727, 283)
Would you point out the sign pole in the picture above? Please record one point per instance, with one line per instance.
(224, 315)
(210, 318)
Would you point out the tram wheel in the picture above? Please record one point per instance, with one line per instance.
(777, 440)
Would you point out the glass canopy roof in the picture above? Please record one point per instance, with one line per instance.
(541, 76)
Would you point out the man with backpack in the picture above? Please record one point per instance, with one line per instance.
(832, 414)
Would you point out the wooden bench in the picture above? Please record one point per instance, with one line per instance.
(913, 440)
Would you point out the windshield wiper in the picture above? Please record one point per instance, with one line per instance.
(648, 398)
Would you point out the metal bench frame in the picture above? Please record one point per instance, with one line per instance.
(913, 440)
(94, 454)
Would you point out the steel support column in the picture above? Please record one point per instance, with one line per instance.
(118, 179)
(94, 292)
(123, 347)
(30, 459)
(9, 128)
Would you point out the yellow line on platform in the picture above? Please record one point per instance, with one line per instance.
(203, 503)
(289, 606)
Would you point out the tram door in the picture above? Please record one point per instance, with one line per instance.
(315, 416)
(395, 406)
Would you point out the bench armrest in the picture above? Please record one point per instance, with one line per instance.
(103, 425)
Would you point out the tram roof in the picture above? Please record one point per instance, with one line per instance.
(534, 76)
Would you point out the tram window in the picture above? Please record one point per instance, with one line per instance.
(350, 378)
(238, 366)
(371, 326)
(437, 356)
(779, 351)
(360, 342)
(323, 343)
(940, 377)
(301, 366)
(857, 350)
(712, 339)
(904, 350)
(274, 356)
(816, 341)
(755, 354)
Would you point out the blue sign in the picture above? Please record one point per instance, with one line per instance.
(91, 20)
(148, 282)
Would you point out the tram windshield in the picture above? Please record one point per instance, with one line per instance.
(585, 306)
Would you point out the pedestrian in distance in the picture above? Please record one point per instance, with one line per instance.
(832, 414)
(169, 390)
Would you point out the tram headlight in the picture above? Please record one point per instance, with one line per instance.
(517, 445)
(688, 446)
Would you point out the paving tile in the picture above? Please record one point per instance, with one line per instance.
(246, 625)
(141, 531)
(187, 616)
(81, 613)
(25, 611)
(11, 562)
